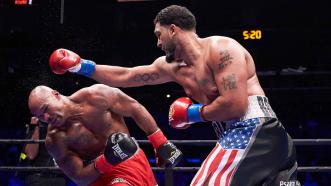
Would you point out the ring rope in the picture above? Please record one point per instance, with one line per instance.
(179, 142)
(182, 142)
(158, 169)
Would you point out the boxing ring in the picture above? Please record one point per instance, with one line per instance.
(169, 181)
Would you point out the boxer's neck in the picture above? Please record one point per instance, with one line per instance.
(74, 108)
(189, 48)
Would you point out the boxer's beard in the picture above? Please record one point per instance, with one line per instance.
(170, 57)
(169, 49)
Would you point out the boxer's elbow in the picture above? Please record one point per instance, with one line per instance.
(236, 107)
(238, 112)
(80, 182)
(226, 109)
(78, 178)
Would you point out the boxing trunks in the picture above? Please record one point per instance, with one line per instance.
(135, 171)
(252, 150)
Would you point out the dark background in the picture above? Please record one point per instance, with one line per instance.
(293, 58)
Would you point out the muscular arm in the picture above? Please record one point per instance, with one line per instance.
(230, 72)
(117, 102)
(69, 162)
(120, 103)
(132, 77)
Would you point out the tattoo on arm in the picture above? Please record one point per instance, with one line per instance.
(146, 77)
(229, 82)
(225, 59)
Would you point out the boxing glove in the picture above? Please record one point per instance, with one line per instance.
(183, 112)
(119, 147)
(167, 154)
(62, 60)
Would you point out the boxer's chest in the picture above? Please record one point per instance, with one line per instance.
(83, 141)
(198, 83)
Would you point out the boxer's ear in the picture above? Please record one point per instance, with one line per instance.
(173, 30)
(56, 93)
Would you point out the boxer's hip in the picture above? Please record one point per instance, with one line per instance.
(134, 171)
(259, 111)
(258, 107)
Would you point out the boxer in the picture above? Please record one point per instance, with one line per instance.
(88, 126)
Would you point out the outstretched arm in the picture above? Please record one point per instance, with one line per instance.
(63, 60)
(69, 162)
(132, 77)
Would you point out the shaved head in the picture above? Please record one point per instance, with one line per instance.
(39, 93)
(39, 96)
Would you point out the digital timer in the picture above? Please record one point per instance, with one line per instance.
(252, 34)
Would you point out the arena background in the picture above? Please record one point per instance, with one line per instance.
(293, 60)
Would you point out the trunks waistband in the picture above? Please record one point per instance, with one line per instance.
(258, 107)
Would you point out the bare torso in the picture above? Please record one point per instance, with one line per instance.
(198, 81)
(85, 134)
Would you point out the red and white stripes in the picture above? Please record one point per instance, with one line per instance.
(218, 167)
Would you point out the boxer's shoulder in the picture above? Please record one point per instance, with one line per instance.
(97, 95)
(54, 135)
(161, 64)
(55, 141)
(97, 91)
(101, 88)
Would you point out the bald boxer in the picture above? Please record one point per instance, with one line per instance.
(253, 147)
(88, 126)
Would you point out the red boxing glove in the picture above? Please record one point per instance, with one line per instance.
(178, 113)
(62, 60)
(183, 112)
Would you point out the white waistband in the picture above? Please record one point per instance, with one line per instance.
(258, 107)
